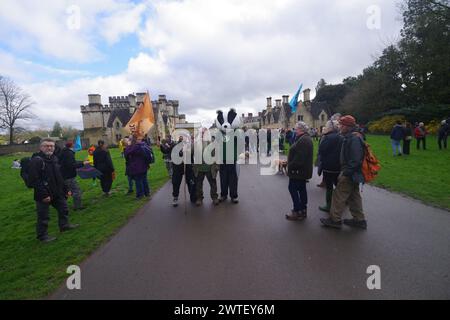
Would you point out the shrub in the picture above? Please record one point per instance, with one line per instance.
(385, 124)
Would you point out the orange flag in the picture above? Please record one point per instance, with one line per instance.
(143, 119)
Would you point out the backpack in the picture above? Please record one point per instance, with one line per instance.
(25, 168)
(148, 153)
(370, 164)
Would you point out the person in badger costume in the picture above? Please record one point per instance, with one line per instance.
(228, 169)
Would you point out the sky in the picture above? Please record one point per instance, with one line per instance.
(208, 54)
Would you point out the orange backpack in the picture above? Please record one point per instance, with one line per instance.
(370, 165)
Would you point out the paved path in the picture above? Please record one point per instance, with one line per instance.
(250, 251)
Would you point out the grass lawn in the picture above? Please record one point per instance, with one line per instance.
(424, 174)
(29, 269)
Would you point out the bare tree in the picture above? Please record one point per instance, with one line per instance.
(14, 106)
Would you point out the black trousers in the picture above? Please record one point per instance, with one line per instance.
(442, 140)
(406, 145)
(423, 143)
(330, 179)
(106, 182)
(43, 217)
(177, 178)
(228, 180)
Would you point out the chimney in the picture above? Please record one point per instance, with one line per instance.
(278, 103)
(250, 115)
(243, 115)
(269, 103)
(306, 93)
(95, 99)
(285, 99)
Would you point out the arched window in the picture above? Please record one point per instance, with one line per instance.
(117, 125)
(322, 117)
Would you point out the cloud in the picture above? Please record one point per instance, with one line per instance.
(69, 30)
(211, 54)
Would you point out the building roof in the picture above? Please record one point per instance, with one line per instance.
(318, 107)
(122, 113)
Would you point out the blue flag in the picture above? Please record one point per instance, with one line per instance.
(294, 100)
(77, 146)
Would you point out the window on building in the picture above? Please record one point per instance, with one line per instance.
(322, 117)
(117, 125)
(300, 118)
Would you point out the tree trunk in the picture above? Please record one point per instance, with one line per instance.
(11, 135)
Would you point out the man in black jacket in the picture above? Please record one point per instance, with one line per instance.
(300, 167)
(329, 154)
(69, 168)
(49, 189)
(347, 189)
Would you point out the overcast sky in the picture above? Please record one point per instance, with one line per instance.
(208, 54)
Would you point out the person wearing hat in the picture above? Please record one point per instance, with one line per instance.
(69, 168)
(347, 189)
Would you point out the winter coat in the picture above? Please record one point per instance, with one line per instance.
(102, 161)
(135, 157)
(330, 151)
(420, 132)
(300, 158)
(352, 155)
(397, 133)
(68, 163)
(46, 178)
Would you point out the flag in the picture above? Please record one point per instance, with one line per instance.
(143, 119)
(77, 146)
(294, 100)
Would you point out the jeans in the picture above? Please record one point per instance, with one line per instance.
(142, 188)
(396, 146)
(299, 195)
(43, 217)
(130, 183)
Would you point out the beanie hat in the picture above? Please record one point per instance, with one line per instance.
(348, 121)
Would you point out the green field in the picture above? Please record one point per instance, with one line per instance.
(424, 174)
(29, 269)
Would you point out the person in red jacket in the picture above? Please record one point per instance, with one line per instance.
(420, 132)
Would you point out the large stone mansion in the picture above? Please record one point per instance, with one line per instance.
(106, 122)
(280, 116)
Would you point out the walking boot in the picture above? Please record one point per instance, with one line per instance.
(327, 206)
(362, 224)
(296, 215)
(331, 223)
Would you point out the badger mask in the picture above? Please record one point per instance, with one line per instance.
(227, 123)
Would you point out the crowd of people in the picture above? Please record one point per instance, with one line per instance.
(52, 171)
(403, 132)
(340, 158)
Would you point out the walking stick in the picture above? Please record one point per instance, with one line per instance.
(185, 182)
